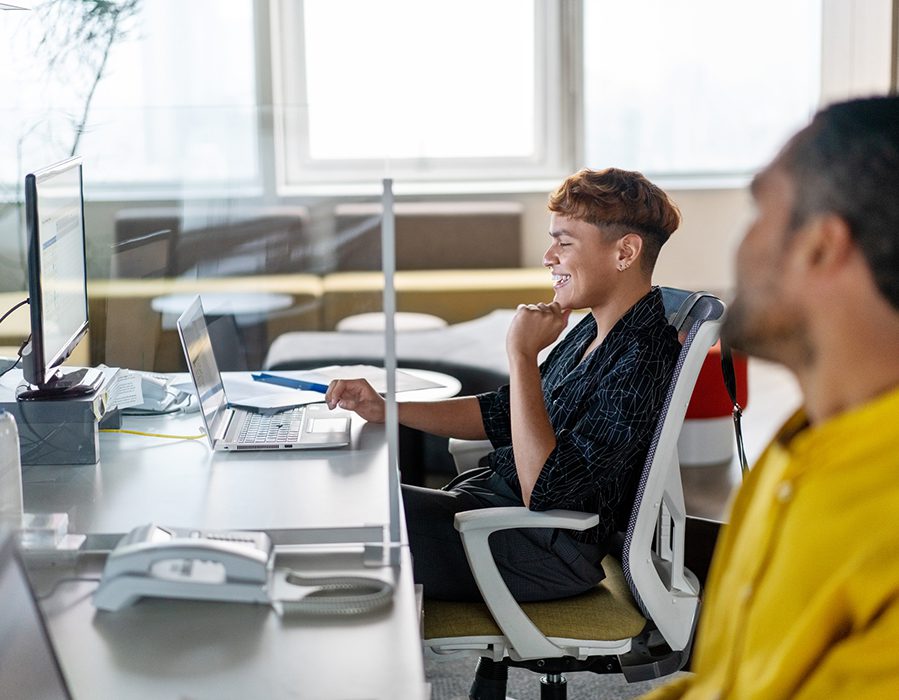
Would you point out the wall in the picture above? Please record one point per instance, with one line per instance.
(862, 48)
(698, 256)
(701, 254)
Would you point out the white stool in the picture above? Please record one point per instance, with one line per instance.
(707, 436)
(706, 441)
(403, 321)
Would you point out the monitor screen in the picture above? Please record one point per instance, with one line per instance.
(57, 274)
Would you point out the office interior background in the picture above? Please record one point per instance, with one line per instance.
(236, 146)
(246, 140)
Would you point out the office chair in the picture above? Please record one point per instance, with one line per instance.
(638, 621)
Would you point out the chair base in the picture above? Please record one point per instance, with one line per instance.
(648, 659)
(491, 676)
(553, 686)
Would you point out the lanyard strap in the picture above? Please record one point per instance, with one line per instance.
(730, 383)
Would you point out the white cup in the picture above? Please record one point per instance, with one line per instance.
(10, 472)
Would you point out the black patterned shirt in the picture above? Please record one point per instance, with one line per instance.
(603, 411)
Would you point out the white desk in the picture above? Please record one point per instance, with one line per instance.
(183, 483)
(177, 649)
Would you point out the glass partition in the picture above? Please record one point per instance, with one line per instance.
(180, 200)
(186, 123)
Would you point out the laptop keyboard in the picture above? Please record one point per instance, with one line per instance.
(259, 429)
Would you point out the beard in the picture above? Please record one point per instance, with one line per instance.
(739, 329)
(768, 328)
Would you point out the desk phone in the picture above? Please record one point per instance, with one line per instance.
(166, 562)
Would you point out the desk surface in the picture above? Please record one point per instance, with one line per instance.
(161, 649)
(176, 649)
(183, 483)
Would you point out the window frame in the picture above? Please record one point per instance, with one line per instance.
(297, 173)
(845, 72)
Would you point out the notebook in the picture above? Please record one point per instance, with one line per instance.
(229, 428)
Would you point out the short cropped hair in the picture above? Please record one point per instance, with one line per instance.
(846, 162)
(619, 202)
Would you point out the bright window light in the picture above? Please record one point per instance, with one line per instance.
(176, 103)
(697, 87)
(406, 79)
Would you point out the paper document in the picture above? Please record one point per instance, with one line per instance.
(376, 376)
(245, 393)
(263, 397)
(126, 390)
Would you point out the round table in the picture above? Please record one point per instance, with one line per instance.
(247, 308)
(249, 311)
(412, 443)
(450, 386)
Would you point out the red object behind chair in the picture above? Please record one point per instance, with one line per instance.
(710, 399)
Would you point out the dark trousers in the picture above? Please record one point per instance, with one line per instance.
(535, 563)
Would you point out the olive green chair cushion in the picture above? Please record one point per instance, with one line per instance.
(605, 613)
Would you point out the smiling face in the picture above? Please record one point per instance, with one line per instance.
(583, 261)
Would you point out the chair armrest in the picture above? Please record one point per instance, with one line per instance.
(493, 519)
(475, 527)
(466, 453)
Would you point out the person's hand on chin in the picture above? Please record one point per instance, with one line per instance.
(534, 327)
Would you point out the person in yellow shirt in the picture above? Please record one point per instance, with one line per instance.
(803, 596)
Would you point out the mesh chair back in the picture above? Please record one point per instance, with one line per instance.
(697, 316)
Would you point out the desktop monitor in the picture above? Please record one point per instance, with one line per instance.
(57, 281)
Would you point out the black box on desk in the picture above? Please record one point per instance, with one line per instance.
(62, 431)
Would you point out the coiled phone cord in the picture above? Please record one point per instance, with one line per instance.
(337, 595)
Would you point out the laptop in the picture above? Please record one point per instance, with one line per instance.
(29, 666)
(229, 428)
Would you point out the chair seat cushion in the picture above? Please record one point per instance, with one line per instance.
(607, 612)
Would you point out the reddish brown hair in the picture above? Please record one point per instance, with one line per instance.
(619, 202)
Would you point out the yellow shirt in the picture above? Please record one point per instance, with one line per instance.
(803, 595)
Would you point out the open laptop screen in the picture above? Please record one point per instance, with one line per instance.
(203, 367)
(28, 664)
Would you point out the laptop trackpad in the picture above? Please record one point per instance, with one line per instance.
(327, 425)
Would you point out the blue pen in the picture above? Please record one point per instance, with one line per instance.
(290, 382)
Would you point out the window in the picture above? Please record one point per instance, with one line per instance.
(696, 87)
(176, 104)
(444, 91)
(420, 89)
(433, 92)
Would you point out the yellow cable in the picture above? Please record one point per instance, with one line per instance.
(158, 435)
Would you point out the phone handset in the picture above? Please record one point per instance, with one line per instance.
(183, 563)
(229, 566)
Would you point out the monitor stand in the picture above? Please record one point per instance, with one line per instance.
(70, 385)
